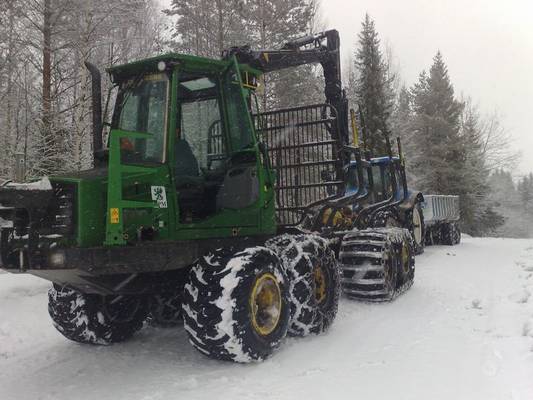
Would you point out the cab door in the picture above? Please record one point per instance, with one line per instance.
(215, 157)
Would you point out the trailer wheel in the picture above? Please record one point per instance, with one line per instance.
(314, 282)
(457, 234)
(235, 304)
(417, 228)
(450, 234)
(94, 319)
(165, 310)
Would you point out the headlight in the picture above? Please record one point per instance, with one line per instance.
(57, 258)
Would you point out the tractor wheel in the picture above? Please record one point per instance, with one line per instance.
(165, 310)
(377, 264)
(383, 219)
(417, 228)
(235, 304)
(314, 282)
(406, 249)
(95, 319)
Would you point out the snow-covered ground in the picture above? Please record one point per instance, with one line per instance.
(463, 331)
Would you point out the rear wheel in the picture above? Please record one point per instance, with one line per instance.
(314, 281)
(235, 304)
(417, 228)
(450, 234)
(457, 234)
(94, 319)
(406, 263)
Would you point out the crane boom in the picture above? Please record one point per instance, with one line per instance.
(322, 48)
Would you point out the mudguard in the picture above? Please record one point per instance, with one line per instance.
(409, 203)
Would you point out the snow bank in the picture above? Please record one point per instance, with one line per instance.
(43, 184)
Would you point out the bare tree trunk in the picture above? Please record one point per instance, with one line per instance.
(220, 30)
(47, 66)
(263, 46)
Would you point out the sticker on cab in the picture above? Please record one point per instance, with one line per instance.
(114, 215)
(159, 195)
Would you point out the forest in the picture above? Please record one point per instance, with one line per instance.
(45, 110)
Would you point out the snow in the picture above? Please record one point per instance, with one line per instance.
(5, 224)
(42, 184)
(464, 331)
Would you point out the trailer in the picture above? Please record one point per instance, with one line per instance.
(441, 219)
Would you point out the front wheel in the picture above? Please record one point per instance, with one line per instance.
(235, 304)
(377, 264)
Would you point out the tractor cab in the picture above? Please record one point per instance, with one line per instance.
(184, 160)
(382, 187)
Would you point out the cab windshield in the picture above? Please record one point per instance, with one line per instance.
(142, 107)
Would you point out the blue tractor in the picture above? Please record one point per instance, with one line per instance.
(385, 198)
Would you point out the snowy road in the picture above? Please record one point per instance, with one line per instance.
(464, 331)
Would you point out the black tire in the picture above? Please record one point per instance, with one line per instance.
(314, 278)
(406, 263)
(417, 228)
(456, 234)
(450, 234)
(165, 310)
(434, 235)
(218, 310)
(382, 219)
(94, 319)
(371, 264)
(429, 238)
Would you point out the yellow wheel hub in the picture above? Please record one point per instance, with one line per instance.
(265, 304)
(320, 284)
(405, 258)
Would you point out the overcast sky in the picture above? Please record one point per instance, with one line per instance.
(487, 45)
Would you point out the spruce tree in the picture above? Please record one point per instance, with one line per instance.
(374, 91)
(435, 125)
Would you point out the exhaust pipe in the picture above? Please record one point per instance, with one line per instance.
(96, 87)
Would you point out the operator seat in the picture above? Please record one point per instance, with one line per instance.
(186, 169)
(189, 183)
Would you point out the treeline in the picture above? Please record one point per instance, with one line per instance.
(450, 147)
(45, 88)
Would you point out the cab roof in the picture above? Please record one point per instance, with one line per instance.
(188, 62)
